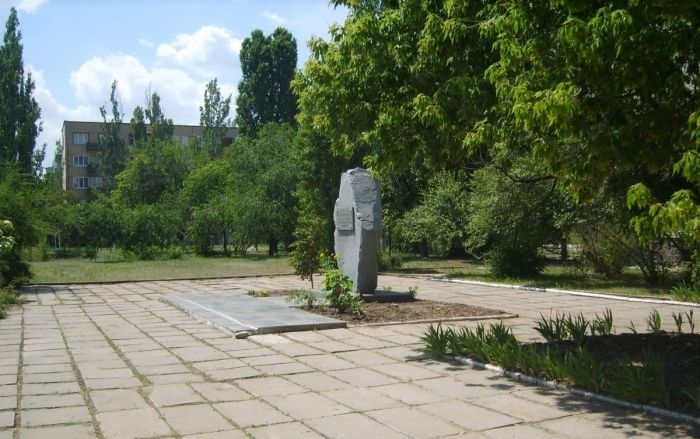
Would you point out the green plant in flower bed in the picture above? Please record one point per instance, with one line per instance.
(654, 322)
(602, 325)
(306, 298)
(641, 381)
(626, 365)
(338, 288)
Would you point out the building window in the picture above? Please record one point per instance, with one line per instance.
(94, 181)
(80, 182)
(80, 160)
(80, 138)
(132, 139)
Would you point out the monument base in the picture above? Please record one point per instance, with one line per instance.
(381, 296)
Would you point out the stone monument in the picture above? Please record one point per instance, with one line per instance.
(358, 228)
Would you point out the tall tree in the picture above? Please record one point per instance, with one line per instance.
(213, 118)
(264, 94)
(19, 112)
(138, 125)
(113, 150)
(161, 127)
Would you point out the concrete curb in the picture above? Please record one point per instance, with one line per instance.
(578, 392)
(448, 319)
(570, 292)
(113, 282)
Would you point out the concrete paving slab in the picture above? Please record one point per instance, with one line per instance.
(239, 313)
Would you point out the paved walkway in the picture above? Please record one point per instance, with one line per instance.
(113, 361)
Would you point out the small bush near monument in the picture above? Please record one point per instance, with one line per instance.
(657, 368)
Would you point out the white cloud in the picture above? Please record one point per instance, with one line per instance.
(180, 92)
(207, 50)
(274, 17)
(53, 113)
(26, 5)
(146, 42)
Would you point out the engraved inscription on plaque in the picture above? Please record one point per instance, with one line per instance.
(344, 218)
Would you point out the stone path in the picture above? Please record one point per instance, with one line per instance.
(113, 361)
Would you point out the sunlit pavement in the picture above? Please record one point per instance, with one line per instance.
(114, 361)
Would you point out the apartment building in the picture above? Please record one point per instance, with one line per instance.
(81, 144)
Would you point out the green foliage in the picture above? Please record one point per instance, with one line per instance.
(264, 93)
(150, 228)
(389, 260)
(12, 269)
(602, 325)
(690, 320)
(161, 127)
(262, 192)
(113, 154)
(19, 111)
(441, 216)
(511, 216)
(552, 329)
(213, 118)
(641, 381)
(413, 292)
(686, 293)
(654, 322)
(309, 240)
(584, 370)
(306, 298)
(678, 320)
(435, 340)
(152, 173)
(340, 295)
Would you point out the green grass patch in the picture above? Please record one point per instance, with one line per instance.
(110, 267)
(630, 283)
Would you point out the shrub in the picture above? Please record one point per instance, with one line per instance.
(519, 261)
(389, 260)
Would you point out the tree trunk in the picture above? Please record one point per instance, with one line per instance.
(272, 246)
(225, 242)
(564, 249)
(424, 249)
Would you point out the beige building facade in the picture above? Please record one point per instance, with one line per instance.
(81, 145)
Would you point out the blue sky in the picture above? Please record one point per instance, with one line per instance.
(75, 48)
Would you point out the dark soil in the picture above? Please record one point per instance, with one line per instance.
(383, 312)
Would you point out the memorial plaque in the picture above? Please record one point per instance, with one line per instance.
(344, 218)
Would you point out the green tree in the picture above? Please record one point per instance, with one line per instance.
(113, 153)
(309, 239)
(440, 218)
(264, 93)
(138, 125)
(206, 193)
(152, 173)
(213, 118)
(19, 112)
(265, 182)
(395, 80)
(161, 127)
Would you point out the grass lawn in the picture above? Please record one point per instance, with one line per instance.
(630, 283)
(107, 268)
